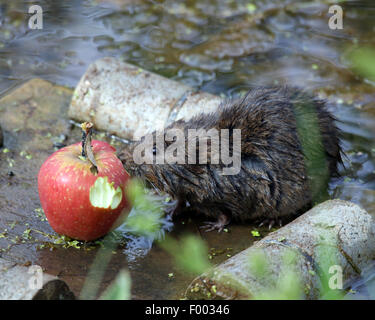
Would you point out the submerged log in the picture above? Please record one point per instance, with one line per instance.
(128, 101)
(30, 283)
(335, 238)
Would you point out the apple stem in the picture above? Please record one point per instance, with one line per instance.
(87, 152)
(84, 135)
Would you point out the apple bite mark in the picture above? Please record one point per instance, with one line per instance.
(104, 195)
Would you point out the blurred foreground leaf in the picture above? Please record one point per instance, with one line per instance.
(119, 289)
(147, 210)
(190, 253)
(363, 62)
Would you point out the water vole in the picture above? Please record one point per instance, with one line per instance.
(285, 134)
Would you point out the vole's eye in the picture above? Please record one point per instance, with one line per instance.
(154, 150)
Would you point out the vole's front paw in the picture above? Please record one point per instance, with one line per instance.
(271, 222)
(218, 225)
(212, 225)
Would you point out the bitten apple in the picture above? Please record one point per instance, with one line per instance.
(79, 202)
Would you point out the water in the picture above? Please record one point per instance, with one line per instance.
(223, 47)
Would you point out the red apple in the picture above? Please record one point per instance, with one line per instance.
(77, 202)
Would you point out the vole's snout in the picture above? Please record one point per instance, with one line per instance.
(126, 156)
(131, 163)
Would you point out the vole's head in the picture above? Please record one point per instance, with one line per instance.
(142, 159)
(170, 160)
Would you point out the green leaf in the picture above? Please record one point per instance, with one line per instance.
(255, 233)
(251, 7)
(363, 62)
(119, 289)
(190, 253)
(258, 263)
(147, 210)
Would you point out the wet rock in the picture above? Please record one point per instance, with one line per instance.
(30, 283)
(129, 101)
(196, 103)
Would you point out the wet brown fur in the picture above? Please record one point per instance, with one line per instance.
(272, 182)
